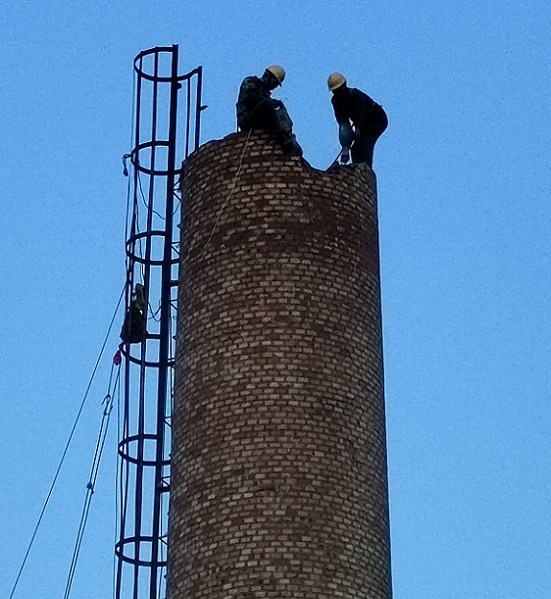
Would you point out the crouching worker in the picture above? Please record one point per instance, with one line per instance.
(135, 321)
(256, 109)
(354, 108)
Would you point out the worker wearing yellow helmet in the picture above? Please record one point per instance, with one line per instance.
(256, 109)
(354, 108)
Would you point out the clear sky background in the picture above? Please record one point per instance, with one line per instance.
(464, 192)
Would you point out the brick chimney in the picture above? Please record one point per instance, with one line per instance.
(279, 475)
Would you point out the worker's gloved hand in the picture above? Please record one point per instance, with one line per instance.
(346, 135)
(345, 155)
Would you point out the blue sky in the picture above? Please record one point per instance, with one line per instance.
(464, 194)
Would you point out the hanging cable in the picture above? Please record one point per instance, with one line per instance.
(336, 161)
(140, 246)
(135, 214)
(219, 216)
(90, 486)
(121, 492)
(178, 204)
(152, 314)
(135, 227)
(115, 527)
(177, 188)
(144, 200)
(64, 454)
(125, 172)
(136, 220)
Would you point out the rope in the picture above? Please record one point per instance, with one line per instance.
(135, 222)
(90, 486)
(228, 198)
(64, 454)
(121, 493)
(131, 199)
(152, 314)
(125, 172)
(143, 197)
(135, 212)
(115, 486)
(336, 161)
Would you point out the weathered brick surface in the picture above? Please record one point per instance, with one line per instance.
(279, 457)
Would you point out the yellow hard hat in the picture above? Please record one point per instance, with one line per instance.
(335, 80)
(278, 72)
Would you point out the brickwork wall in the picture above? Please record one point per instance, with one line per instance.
(279, 485)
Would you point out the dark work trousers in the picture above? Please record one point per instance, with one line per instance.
(362, 149)
(269, 115)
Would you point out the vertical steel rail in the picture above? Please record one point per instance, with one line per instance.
(138, 512)
(144, 449)
(188, 104)
(165, 316)
(198, 104)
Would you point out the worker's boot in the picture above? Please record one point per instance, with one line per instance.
(291, 145)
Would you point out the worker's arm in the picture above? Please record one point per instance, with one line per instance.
(252, 93)
(346, 134)
(340, 107)
(253, 96)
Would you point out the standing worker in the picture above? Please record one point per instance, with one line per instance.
(256, 109)
(368, 118)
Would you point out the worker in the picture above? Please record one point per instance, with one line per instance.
(354, 108)
(256, 109)
(135, 322)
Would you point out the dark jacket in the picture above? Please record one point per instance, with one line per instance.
(351, 104)
(252, 93)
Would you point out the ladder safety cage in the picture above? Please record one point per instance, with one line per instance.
(162, 139)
